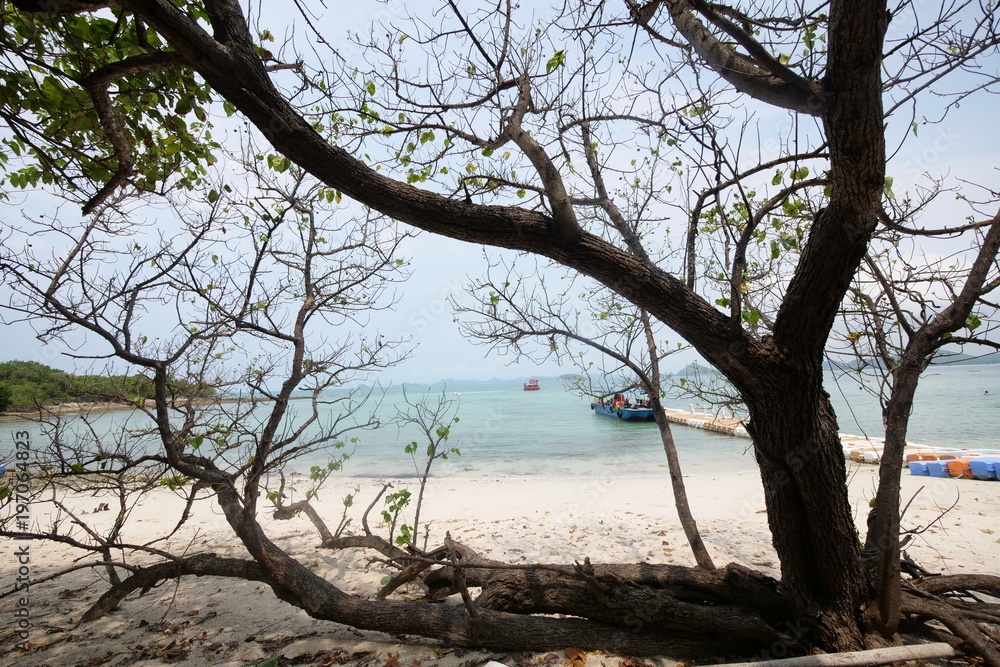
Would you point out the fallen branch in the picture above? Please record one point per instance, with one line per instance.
(877, 656)
(200, 565)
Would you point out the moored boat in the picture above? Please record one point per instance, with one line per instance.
(532, 385)
(624, 408)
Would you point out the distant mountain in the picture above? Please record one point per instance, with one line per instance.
(852, 364)
(693, 369)
(967, 359)
(943, 359)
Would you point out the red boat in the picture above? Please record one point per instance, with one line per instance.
(531, 385)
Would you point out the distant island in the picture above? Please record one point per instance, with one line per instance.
(967, 359)
(25, 385)
(695, 368)
(942, 359)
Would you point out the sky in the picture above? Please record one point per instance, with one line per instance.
(963, 146)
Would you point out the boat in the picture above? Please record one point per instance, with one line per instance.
(531, 385)
(624, 408)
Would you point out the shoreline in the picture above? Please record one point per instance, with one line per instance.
(517, 519)
(79, 407)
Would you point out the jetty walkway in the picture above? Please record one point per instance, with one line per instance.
(921, 459)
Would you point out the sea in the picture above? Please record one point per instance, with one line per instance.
(503, 430)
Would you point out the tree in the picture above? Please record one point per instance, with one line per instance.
(481, 145)
(247, 280)
(4, 397)
(903, 331)
(510, 316)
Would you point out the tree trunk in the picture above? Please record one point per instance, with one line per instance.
(653, 388)
(688, 522)
(803, 471)
(882, 550)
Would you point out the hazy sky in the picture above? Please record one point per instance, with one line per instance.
(966, 143)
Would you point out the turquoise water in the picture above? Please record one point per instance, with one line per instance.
(955, 406)
(504, 430)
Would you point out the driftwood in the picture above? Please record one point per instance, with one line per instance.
(878, 656)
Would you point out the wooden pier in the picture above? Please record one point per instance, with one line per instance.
(709, 422)
(857, 448)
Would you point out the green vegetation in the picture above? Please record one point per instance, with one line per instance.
(25, 384)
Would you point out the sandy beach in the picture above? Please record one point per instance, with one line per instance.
(200, 621)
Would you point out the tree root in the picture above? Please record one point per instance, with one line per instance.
(724, 602)
(922, 598)
(984, 583)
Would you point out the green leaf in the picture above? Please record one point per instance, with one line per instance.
(173, 483)
(973, 322)
(777, 178)
(279, 163)
(887, 188)
(370, 88)
(800, 173)
(557, 60)
(184, 105)
(213, 196)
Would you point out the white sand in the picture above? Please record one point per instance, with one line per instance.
(211, 621)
